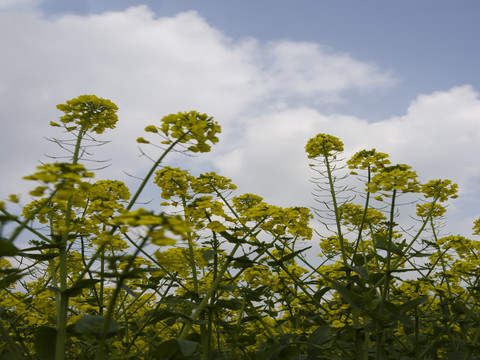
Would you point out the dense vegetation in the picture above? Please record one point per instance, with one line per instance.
(230, 277)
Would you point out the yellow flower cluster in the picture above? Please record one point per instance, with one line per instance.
(460, 244)
(323, 145)
(189, 127)
(476, 227)
(201, 210)
(211, 182)
(440, 189)
(274, 219)
(174, 182)
(352, 214)
(394, 177)
(159, 226)
(105, 197)
(436, 211)
(368, 159)
(88, 112)
(63, 175)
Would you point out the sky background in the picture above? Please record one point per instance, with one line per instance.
(398, 76)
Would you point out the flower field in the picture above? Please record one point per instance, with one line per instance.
(229, 277)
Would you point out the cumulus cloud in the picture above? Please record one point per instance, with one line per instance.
(306, 69)
(150, 66)
(438, 137)
(265, 96)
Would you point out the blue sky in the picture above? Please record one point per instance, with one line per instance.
(400, 76)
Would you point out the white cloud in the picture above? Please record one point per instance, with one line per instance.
(309, 70)
(150, 67)
(153, 66)
(438, 137)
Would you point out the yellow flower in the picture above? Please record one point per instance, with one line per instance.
(191, 127)
(141, 140)
(368, 159)
(440, 189)
(338, 324)
(151, 128)
(323, 145)
(216, 226)
(90, 113)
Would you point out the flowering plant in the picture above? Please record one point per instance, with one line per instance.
(212, 274)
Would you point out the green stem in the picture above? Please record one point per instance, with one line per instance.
(111, 306)
(209, 294)
(62, 312)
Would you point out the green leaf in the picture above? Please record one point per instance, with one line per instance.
(232, 304)
(360, 270)
(93, 324)
(321, 335)
(232, 239)
(242, 262)
(40, 257)
(162, 314)
(381, 242)
(129, 291)
(228, 287)
(319, 294)
(45, 340)
(287, 257)
(80, 285)
(6, 281)
(175, 349)
(187, 347)
(208, 255)
(352, 298)
(7, 248)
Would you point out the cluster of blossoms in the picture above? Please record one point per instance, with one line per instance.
(323, 145)
(159, 225)
(254, 297)
(352, 214)
(88, 112)
(394, 177)
(187, 127)
(64, 177)
(368, 159)
(273, 219)
(440, 190)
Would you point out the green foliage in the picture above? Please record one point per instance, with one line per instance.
(230, 277)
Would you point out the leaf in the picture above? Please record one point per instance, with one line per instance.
(228, 287)
(319, 294)
(129, 291)
(208, 255)
(7, 248)
(93, 324)
(163, 314)
(45, 340)
(175, 349)
(230, 238)
(352, 298)
(321, 335)
(232, 304)
(287, 257)
(40, 257)
(413, 303)
(242, 262)
(80, 285)
(187, 347)
(360, 270)
(382, 243)
(6, 281)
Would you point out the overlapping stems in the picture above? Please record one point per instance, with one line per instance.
(226, 276)
(368, 298)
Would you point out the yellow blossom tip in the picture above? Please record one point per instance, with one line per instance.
(141, 140)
